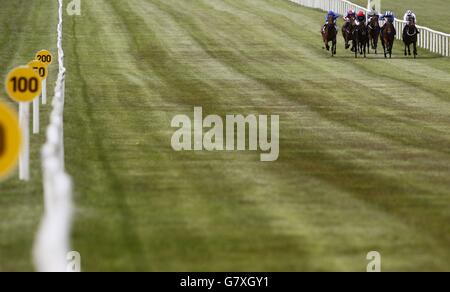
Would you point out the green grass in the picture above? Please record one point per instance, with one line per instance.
(364, 161)
(430, 13)
(23, 32)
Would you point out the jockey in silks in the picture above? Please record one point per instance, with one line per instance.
(335, 17)
(410, 15)
(372, 13)
(361, 17)
(388, 16)
(349, 17)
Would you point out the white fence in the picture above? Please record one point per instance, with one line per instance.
(434, 41)
(52, 242)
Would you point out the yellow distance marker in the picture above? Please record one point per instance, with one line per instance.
(40, 68)
(10, 140)
(45, 57)
(23, 84)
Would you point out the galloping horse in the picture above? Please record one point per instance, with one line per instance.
(347, 32)
(387, 38)
(410, 33)
(329, 34)
(360, 39)
(374, 32)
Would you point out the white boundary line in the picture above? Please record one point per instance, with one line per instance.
(52, 242)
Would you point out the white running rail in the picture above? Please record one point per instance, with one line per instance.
(434, 41)
(52, 242)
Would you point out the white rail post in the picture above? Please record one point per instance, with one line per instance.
(446, 47)
(44, 91)
(36, 125)
(24, 159)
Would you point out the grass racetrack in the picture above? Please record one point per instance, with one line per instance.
(432, 14)
(364, 144)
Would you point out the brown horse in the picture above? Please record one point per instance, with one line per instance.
(410, 33)
(374, 32)
(360, 39)
(347, 32)
(387, 38)
(329, 34)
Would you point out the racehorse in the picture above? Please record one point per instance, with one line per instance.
(347, 32)
(374, 32)
(360, 39)
(387, 38)
(410, 33)
(329, 34)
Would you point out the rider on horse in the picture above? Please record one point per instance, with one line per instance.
(409, 15)
(389, 17)
(329, 31)
(349, 17)
(361, 17)
(409, 18)
(334, 15)
(372, 13)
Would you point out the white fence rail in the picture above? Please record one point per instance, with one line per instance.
(52, 242)
(434, 41)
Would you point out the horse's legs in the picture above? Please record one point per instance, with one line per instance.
(387, 49)
(324, 38)
(405, 49)
(409, 50)
(368, 46)
(334, 48)
(415, 49)
(391, 47)
(375, 42)
(376, 46)
(346, 41)
(334, 45)
(384, 46)
(327, 46)
(345, 35)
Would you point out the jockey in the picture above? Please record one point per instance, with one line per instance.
(409, 15)
(335, 17)
(372, 13)
(388, 16)
(332, 14)
(361, 17)
(349, 17)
